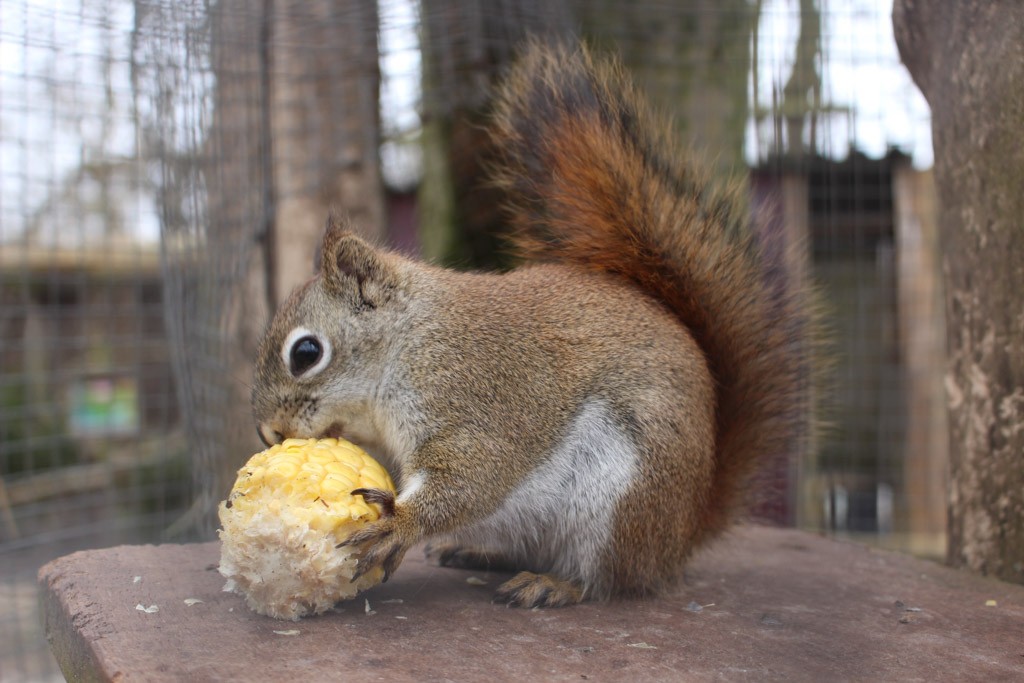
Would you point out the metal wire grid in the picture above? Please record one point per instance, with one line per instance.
(132, 211)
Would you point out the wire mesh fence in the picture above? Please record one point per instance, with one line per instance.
(166, 168)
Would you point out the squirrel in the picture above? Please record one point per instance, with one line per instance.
(589, 418)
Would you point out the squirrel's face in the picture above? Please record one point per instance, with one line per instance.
(319, 365)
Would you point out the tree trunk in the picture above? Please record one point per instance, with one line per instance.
(691, 59)
(967, 56)
(801, 95)
(294, 129)
(324, 128)
(685, 56)
(225, 301)
(466, 45)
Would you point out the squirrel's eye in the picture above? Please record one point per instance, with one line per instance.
(305, 353)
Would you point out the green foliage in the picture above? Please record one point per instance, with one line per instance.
(30, 441)
(162, 485)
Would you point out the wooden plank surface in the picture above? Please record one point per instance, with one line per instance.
(764, 604)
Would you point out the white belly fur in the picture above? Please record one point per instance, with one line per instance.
(559, 519)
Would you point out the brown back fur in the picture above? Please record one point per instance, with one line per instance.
(597, 185)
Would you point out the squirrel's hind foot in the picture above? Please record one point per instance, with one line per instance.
(527, 589)
(455, 556)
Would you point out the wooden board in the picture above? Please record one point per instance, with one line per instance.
(764, 604)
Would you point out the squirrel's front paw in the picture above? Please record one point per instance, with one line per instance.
(383, 543)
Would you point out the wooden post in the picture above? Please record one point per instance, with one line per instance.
(923, 351)
(796, 225)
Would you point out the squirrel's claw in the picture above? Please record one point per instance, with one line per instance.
(527, 589)
(382, 497)
(457, 556)
(382, 543)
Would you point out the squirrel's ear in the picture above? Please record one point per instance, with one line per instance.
(352, 268)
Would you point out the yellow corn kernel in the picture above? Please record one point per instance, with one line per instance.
(290, 507)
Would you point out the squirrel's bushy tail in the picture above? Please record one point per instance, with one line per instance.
(596, 182)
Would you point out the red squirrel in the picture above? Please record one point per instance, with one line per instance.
(589, 418)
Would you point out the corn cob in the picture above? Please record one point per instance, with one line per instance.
(288, 510)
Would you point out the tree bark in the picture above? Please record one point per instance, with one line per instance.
(685, 56)
(967, 56)
(226, 299)
(466, 46)
(324, 128)
(691, 59)
(294, 129)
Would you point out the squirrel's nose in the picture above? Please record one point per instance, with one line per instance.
(269, 435)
